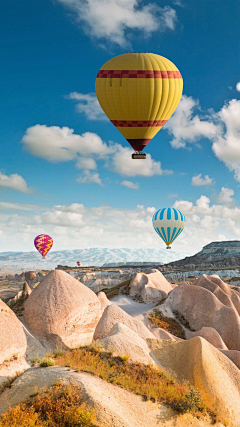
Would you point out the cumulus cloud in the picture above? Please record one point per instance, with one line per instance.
(225, 196)
(187, 127)
(86, 163)
(14, 181)
(221, 128)
(112, 19)
(88, 104)
(130, 184)
(238, 86)
(89, 177)
(122, 163)
(198, 180)
(226, 145)
(62, 144)
(57, 144)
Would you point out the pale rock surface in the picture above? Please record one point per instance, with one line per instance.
(210, 334)
(150, 287)
(233, 355)
(161, 334)
(114, 314)
(200, 307)
(61, 311)
(206, 368)
(125, 341)
(12, 337)
(104, 301)
(221, 290)
(115, 407)
(13, 344)
(21, 295)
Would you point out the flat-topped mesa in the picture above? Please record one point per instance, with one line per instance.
(61, 311)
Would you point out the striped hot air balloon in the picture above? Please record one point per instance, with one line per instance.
(139, 92)
(43, 244)
(168, 223)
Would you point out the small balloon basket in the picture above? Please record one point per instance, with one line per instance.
(168, 247)
(139, 155)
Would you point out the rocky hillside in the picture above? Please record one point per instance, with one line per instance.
(215, 254)
(129, 343)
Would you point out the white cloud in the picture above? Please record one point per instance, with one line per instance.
(14, 181)
(198, 180)
(88, 104)
(86, 163)
(226, 145)
(89, 177)
(18, 206)
(77, 226)
(238, 86)
(61, 144)
(187, 127)
(57, 144)
(130, 184)
(225, 196)
(112, 19)
(125, 165)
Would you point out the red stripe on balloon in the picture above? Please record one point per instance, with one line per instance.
(138, 74)
(138, 123)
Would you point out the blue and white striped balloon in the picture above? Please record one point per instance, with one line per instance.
(168, 224)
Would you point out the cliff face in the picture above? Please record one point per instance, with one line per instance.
(215, 254)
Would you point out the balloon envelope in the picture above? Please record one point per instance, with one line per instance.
(168, 223)
(139, 92)
(43, 244)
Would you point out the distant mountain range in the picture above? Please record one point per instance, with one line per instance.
(215, 254)
(16, 261)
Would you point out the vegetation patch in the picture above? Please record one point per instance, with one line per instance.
(170, 325)
(58, 406)
(152, 384)
(182, 320)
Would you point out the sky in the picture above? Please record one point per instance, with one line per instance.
(65, 170)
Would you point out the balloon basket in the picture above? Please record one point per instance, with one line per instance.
(168, 247)
(139, 155)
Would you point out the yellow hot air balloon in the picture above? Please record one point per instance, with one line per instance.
(139, 92)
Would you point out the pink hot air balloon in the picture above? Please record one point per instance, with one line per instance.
(43, 244)
(78, 263)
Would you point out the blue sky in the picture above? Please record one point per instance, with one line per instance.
(85, 197)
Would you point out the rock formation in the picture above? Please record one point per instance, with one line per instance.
(200, 307)
(150, 287)
(206, 368)
(114, 314)
(123, 340)
(61, 311)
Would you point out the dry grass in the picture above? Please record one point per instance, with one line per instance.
(166, 323)
(152, 384)
(58, 406)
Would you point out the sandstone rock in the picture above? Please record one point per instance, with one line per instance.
(125, 341)
(200, 308)
(221, 290)
(12, 337)
(114, 314)
(61, 311)
(150, 287)
(161, 334)
(209, 370)
(115, 407)
(210, 335)
(30, 275)
(13, 344)
(233, 355)
(104, 301)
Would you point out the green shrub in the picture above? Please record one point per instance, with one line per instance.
(46, 361)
